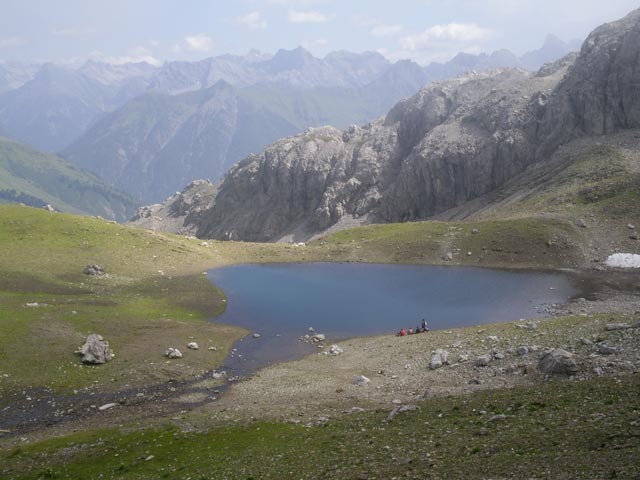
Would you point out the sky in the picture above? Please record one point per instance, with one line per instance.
(118, 31)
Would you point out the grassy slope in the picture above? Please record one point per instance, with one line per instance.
(139, 310)
(46, 178)
(559, 430)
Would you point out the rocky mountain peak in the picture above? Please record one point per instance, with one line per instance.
(453, 141)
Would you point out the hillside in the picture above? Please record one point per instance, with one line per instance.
(36, 179)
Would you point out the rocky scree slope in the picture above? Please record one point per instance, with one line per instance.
(450, 143)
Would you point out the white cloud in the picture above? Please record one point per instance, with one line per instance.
(133, 55)
(297, 16)
(11, 42)
(386, 30)
(252, 20)
(198, 43)
(450, 32)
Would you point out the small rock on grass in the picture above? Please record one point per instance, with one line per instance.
(192, 346)
(361, 381)
(93, 269)
(95, 350)
(172, 353)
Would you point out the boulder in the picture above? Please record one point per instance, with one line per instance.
(95, 350)
(438, 359)
(172, 353)
(607, 350)
(93, 269)
(522, 350)
(335, 350)
(318, 337)
(193, 345)
(557, 361)
(483, 361)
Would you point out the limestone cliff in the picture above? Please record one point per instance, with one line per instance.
(450, 143)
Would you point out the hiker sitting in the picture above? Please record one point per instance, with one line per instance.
(402, 332)
(410, 331)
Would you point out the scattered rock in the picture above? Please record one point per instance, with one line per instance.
(522, 351)
(193, 345)
(448, 257)
(438, 359)
(530, 325)
(492, 338)
(474, 231)
(496, 418)
(107, 406)
(557, 361)
(212, 349)
(256, 335)
(172, 353)
(318, 337)
(607, 350)
(617, 326)
(581, 223)
(93, 269)
(335, 350)
(474, 381)
(482, 361)
(95, 350)
(631, 226)
(401, 409)
(586, 341)
(361, 381)
(498, 355)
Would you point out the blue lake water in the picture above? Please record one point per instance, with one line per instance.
(281, 301)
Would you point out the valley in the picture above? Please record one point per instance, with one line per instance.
(246, 327)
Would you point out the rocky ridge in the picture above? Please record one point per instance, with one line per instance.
(450, 143)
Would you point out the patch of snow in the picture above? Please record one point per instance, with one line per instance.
(624, 260)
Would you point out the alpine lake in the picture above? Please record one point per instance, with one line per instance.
(280, 302)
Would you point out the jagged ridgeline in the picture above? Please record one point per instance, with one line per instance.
(452, 142)
(35, 179)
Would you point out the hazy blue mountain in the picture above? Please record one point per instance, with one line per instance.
(552, 49)
(13, 75)
(158, 142)
(57, 105)
(36, 178)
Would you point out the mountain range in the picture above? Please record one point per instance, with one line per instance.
(149, 130)
(452, 142)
